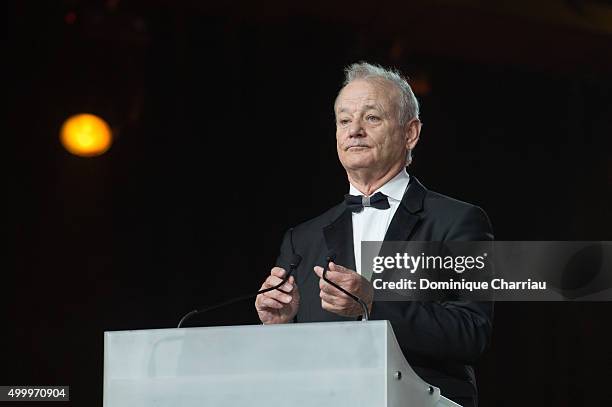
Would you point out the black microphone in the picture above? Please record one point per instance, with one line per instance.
(331, 255)
(293, 264)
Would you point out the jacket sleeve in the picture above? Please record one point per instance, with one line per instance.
(445, 330)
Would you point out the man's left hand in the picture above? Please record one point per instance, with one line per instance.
(334, 300)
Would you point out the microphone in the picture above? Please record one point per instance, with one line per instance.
(293, 264)
(331, 255)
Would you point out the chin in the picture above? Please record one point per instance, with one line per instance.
(355, 163)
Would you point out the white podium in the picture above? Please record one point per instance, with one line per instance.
(297, 365)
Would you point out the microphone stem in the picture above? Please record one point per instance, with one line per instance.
(233, 300)
(364, 306)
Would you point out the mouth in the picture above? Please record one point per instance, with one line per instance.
(359, 147)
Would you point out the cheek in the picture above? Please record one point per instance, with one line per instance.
(380, 140)
(393, 142)
(342, 138)
(339, 149)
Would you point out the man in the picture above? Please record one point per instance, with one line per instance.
(377, 127)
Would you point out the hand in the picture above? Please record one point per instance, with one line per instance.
(334, 300)
(278, 306)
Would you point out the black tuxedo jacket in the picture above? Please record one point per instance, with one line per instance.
(441, 340)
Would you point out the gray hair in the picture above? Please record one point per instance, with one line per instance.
(407, 103)
(408, 106)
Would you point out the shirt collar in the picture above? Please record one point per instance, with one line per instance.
(394, 188)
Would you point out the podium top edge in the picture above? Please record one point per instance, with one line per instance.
(253, 326)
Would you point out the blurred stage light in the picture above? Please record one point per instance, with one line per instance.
(70, 17)
(421, 85)
(86, 135)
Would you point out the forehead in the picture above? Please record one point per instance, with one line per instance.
(361, 94)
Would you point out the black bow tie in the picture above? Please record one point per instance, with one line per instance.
(356, 203)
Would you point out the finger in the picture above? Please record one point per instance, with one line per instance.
(278, 296)
(267, 303)
(330, 275)
(273, 281)
(338, 268)
(334, 300)
(291, 284)
(258, 303)
(329, 307)
(342, 279)
(333, 291)
(278, 272)
(338, 278)
(328, 288)
(287, 286)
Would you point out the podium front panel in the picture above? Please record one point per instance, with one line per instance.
(315, 364)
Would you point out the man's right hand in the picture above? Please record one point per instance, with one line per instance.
(278, 306)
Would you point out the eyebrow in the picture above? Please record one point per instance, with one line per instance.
(366, 107)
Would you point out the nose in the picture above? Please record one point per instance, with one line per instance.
(355, 129)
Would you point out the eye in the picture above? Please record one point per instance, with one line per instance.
(373, 119)
(343, 122)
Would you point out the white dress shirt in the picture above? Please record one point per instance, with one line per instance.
(371, 224)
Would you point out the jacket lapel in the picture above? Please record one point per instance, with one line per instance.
(406, 218)
(339, 238)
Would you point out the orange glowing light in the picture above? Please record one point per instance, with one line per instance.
(86, 135)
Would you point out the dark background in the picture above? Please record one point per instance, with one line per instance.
(224, 138)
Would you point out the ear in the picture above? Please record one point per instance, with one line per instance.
(412, 131)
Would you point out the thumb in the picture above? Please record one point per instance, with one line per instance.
(318, 271)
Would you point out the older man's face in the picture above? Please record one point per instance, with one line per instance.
(368, 133)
